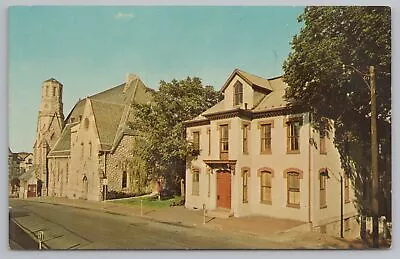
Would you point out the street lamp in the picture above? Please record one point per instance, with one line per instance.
(374, 151)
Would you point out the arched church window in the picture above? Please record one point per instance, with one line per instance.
(86, 123)
(66, 174)
(90, 149)
(124, 179)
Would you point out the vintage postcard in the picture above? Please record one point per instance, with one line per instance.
(199, 127)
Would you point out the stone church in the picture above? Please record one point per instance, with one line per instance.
(88, 153)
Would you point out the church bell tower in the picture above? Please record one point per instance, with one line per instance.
(50, 124)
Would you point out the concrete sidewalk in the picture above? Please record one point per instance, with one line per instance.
(251, 225)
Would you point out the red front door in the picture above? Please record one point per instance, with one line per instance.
(224, 190)
(31, 190)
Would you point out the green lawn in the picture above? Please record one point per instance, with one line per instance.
(150, 202)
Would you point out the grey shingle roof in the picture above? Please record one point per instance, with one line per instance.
(64, 142)
(110, 109)
(275, 99)
(253, 80)
(27, 175)
(107, 117)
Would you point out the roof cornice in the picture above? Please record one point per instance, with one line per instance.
(247, 114)
(195, 123)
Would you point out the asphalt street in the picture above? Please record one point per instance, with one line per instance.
(74, 228)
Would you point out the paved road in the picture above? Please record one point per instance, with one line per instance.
(73, 228)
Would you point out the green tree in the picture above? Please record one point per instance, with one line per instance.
(159, 125)
(324, 71)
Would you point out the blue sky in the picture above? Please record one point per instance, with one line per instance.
(90, 49)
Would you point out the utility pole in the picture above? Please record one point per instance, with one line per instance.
(341, 206)
(374, 162)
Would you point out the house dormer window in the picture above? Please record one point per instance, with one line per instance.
(238, 94)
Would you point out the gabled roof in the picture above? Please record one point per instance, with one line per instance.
(111, 109)
(28, 174)
(124, 93)
(64, 142)
(114, 95)
(76, 110)
(272, 99)
(275, 99)
(107, 117)
(254, 81)
(23, 155)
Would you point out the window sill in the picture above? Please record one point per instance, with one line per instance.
(266, 202)
(295, 206)
(245, 202)
(292, 152)
(323, 153)
(266, 153)
(323, 207)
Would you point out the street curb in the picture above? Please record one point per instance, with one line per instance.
(31, 234)
(117, 213)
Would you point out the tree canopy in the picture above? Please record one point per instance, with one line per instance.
(162, 143)
(327, 72)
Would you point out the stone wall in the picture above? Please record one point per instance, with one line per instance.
(58, 176)
(122, 160)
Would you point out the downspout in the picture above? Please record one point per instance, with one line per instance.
(105, 175)
(309, 168)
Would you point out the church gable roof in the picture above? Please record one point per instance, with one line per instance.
(64, 142)
(132, 91)
(107, 117)
(112, 108)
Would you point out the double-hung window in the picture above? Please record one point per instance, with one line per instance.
(224, 142)
(322, 140)
(322, 190)
(266, 187)
(266, 138)
(293, 134)
(196, 140)
(293, 189)
(245, 139)
(245, 186)
(195, 182)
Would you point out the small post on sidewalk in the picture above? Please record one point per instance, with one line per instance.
(141, 207)
(204, 213)
(41, 238)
